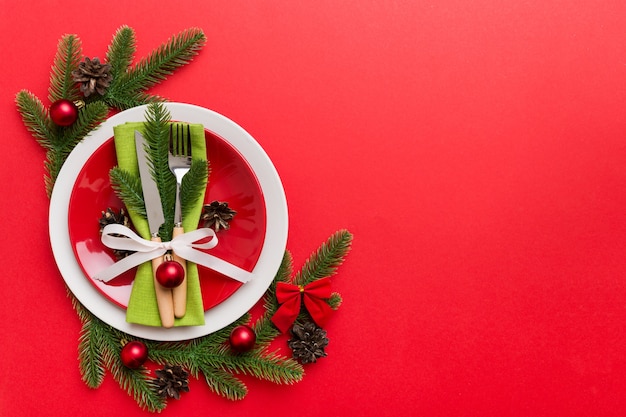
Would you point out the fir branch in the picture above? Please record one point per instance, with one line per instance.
(121, 51)
(57, 141)
(99, 349)
(265, 330)
(35, 117)
(193, 185)
(89, 118)
(163, 61)
(128, 188)
(271, 367)
(335, 301)
(325, 261)
(157, 138)
(136, 382)
(173, 353)
(131, 99)
(66, 60)
(222, 382)
(53, 163)
(91, 362)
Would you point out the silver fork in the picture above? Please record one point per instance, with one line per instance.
(179, 161)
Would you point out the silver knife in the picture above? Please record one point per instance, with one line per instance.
(154, 211)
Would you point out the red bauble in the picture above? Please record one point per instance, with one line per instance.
(242, 338)
(134, 354)
(63, 112)
(170, 274)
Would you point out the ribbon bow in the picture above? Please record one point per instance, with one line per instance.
(116, 236)
(290, 296)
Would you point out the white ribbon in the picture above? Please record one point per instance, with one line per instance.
(146, 250)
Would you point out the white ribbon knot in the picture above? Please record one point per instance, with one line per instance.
(116, 236)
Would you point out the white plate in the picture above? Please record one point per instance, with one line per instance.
(241, 300)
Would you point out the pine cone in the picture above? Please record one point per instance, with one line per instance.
(93, 76)
(171, 380)
(308, 342)
(217, 215)
(110, 217)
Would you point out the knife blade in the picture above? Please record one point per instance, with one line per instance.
(151, 196)
(154, 212)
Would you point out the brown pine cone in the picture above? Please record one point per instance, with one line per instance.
(93, 76)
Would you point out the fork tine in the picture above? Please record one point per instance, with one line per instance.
(171, 139)
(178, 141)
(188, 153)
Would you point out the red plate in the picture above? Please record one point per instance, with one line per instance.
(231, 180)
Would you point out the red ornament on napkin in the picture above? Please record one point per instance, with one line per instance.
(290, 296)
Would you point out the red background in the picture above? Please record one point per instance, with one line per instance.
(475, 149)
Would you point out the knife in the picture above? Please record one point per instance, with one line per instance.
(154, 212)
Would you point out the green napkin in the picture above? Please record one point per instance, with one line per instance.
(142, 306)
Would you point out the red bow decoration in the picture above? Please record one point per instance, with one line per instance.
(315, 295)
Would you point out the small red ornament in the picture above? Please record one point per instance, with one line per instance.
(63, 112)
(170, 274)
(134, 354)
(242, 338)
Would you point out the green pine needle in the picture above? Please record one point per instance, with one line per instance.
(138, 384)
(53, 163)
(157, 138)
(90, 116)
(90, 358)
(57, 141)
(335, 301)
(128, 189)
(127, 89)
(325, 261)
(131, 99)
(271, 367)
(67, 58)
(36, 118)
(223, 383)
(163, 61)
(121, 51)
(193, 185)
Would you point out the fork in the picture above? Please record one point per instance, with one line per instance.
(179, 161)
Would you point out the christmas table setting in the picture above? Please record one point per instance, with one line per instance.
(159, 174)
(317, 208)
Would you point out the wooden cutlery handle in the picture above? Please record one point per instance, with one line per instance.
(163, 295)
(180, 292)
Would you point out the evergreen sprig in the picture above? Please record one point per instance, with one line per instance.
(121, 51)
(128, 89)
(325, 261)
(57, 141)
(99, 350)
(193, 184)
(157, 138)
(67, 58)
(128, 188)
(36, 118)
